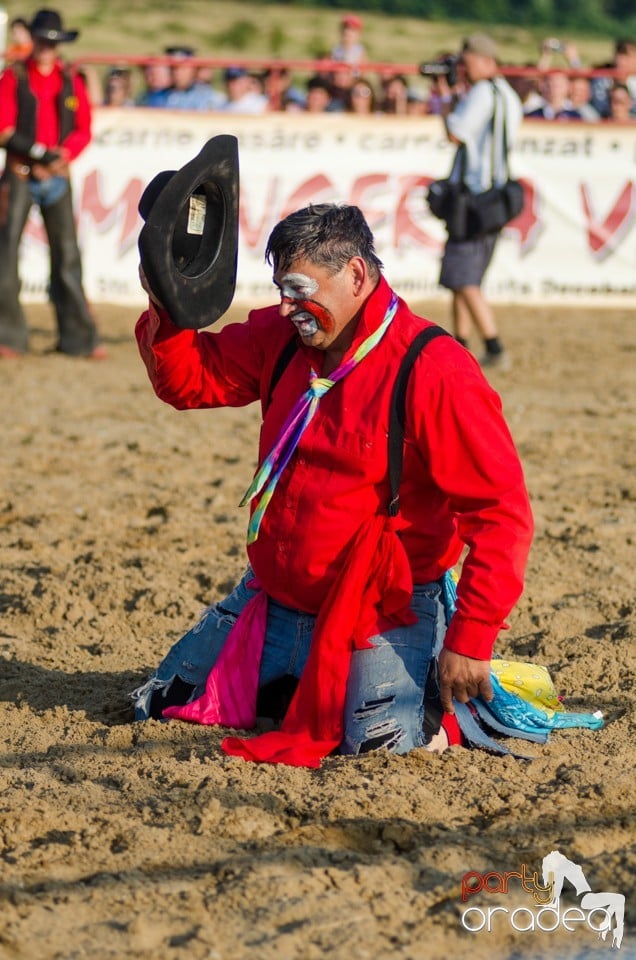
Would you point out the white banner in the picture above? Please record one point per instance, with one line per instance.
(574, 243)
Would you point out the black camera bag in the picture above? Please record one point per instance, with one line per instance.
(468, 214)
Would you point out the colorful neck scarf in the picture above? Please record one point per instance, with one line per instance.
(297, 422)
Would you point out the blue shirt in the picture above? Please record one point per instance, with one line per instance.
(153, 98)
(198, 97)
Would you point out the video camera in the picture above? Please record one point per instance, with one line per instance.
(445, 67)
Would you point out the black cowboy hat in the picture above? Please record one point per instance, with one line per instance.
(47, 25)
(189, 243)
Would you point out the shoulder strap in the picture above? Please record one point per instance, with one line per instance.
(459, 163)
(504, 130)
(397, 412)
(281, 365)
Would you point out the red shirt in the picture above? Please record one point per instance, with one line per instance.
(462, 481)
(46, 89)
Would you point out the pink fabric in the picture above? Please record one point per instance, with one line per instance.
(232, 685)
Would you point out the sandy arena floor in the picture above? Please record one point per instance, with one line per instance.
(119, 523)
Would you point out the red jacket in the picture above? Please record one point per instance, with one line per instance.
(462, 482)
(46, 89)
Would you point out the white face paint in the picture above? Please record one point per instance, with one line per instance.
(298, 286)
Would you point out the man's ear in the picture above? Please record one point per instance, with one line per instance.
(359, 274)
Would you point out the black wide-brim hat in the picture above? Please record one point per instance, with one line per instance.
(189, 243)
(47, 25)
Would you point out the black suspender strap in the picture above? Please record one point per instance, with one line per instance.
(280, 366)
(397, 412)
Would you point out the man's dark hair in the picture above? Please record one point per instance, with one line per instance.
(326, 234)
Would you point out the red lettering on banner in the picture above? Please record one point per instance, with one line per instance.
(405, 229)
(104, 215)
(362, 187)
(309, 192)
(251, 234)
(603, 237)
(526, 224)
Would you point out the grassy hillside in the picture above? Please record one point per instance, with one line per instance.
(228, 27)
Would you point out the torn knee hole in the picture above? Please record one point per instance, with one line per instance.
(390, 739)
(369, 707)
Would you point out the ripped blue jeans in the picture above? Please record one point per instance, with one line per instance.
(385, 691)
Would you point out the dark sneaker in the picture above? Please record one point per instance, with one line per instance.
(152, 698)
(501, 360)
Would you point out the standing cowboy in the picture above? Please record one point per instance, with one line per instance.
(45, 123)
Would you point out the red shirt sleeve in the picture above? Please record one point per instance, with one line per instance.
(8, 101)
(472, 459)
(190, 369)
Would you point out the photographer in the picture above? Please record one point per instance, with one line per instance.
(469, 123)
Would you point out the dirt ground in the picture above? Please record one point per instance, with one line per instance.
(119, 523)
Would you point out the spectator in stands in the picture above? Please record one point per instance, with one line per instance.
(341, 82)
(118, 88)
(186, 92)
(278, 88)
(350, 49)
(555, 104)
(362, 98)
(396, 91)
(242, 96)
(157, 78)
(621, 105)
(318, 95)
(581, 96)
(624, 62)
(20, 43)
(293, 102)
(416, 104)
(527, 90)
(257, 79)
(93, 83)
(205, 75)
